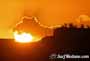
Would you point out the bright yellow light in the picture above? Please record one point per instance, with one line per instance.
(23, 37)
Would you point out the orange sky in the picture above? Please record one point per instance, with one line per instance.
(48, 12)
(53, 12)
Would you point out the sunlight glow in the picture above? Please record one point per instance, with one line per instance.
(23, 37)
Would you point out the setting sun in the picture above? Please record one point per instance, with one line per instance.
(23, 37)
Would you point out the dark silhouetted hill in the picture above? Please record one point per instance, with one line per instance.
(66, 40)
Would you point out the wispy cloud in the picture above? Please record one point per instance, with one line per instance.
(83, 19)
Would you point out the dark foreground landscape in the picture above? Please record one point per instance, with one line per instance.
(65, 40)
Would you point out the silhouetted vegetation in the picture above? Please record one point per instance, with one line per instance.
(72, 37)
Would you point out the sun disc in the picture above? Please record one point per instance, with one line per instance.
(23, 37)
